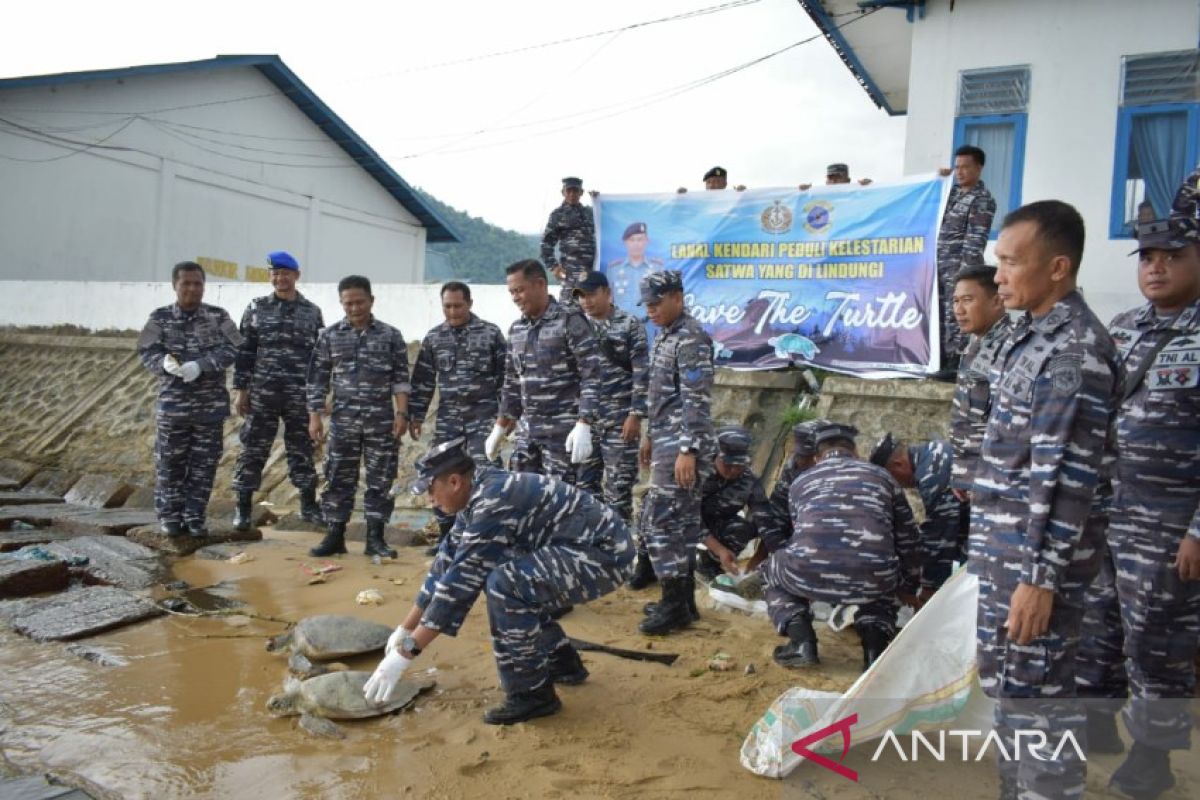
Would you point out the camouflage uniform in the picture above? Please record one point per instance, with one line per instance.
(855, 541)
(721, 504)
(622, 392)
(1186, 204)
(678, 403)
(272, 362)
(1038, 516)
(944, 531)
(551, 381)
(367, 368)
(962, 238)
(973, 401)
(573, 229)
(537, 545)
(190, 416)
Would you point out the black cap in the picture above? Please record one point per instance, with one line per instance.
(835, 430)
(837, 169)
(654, 285)
(804, 436)
(733, 445)
(1174, 233)
(591, 282)
(883, 451)
(715, 172)
(439, 460)
(572, 183)
(636, 227)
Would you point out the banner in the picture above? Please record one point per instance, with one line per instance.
(840, 277)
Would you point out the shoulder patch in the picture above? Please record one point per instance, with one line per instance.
(1066, 373)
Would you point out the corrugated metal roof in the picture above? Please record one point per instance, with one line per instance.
(290, 85)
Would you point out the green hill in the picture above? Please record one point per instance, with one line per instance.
(482, 255)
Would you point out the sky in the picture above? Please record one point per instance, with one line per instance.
(494, 134)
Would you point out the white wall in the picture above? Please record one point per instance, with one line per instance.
(169, 194)
(413, 308)
(1074, 49)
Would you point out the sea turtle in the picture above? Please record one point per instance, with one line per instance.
(331, 636)
(339, 695)
(791, 344)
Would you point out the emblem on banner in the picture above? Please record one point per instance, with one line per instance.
(776, 218)
(817, 216)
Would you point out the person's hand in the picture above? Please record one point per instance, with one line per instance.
(741, 187)
(1029, 613)
(804, 187)
(865, 181)
(925, 594)
(644, 453)
(379, 687)
(559, 272)
(241, 402)
(1187, 560)
(315, 432)
(399, 426)
(414, 430)
(632, 428)
(962, 494)
(729, 561)
(171, 365)
(944, 172)
(593, 194)
(494, 440)
(579, 442)
(189, 371)
(913, 601)
(685, 470)
(398, 635)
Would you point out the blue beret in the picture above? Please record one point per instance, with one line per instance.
(281, 259)
(636, 227)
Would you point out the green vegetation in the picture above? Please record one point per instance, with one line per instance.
(482, 255)
(795, 415)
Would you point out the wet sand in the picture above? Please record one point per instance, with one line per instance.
(186, 717)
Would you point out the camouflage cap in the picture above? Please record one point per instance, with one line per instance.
(883, 450)
(1173, 233)
(733, 445)
(837, 169)
(654, 285)
(829, 431)
(591, 282)
(572, 183)
(439, 460)
(804, 437)
(716, 172)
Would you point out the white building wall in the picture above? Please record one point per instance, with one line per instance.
(158, 192)
(1073, 49)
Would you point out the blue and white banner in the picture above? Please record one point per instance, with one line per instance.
(840, 277)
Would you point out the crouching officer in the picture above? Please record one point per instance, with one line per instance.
(732, 487)
(855, 542)
(536, 544)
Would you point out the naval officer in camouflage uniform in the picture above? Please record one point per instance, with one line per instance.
(966, 225)
(551, 384)
(778, 528)
(463, 358)
(188, 345)
(367, 361)
(622, 391)
(535, 545)
(729, 492)
(1154, 532)
(278, 333)
(1040, 497)
(625, 274)
(572, 228)
(981, 315)
(678, 448)
(926, 468)
(855, 542)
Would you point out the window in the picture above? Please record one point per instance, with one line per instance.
(1157, 126)
(992, 106)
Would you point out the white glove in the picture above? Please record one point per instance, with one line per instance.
(579, 442)
(492, 446)
(398, 635)
(381, 684)
(171, 365)
(189, 371)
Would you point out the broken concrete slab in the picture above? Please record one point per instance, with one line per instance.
(297, 523)
(9, 485)
(15, 540)
(16, 470)
(141, 497)
(152, 537)
(99, 491)
(28, 498)
(40, 515)
(20, 578)
(77, 613)
(51, 481)
(112, 561)
(105, 521)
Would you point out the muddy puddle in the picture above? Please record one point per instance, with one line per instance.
(185, 716)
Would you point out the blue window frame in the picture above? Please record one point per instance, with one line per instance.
(1002, 139)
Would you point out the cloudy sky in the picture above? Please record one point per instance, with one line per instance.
(637, 108)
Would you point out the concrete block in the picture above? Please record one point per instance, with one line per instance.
(140, 497)
(17, 470)
(77, 613)
(112, 561)
(51, 481)
(152, 537)
(105, 521)
(15, 540)
(27, 498)
(99, 491)
(40, 515)
(20, 578)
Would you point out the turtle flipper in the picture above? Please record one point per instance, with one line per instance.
(319, 726)
(301, 667)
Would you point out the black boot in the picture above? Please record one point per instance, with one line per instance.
(376, 546)
(643, 573)
(1102, 736)
(241, 517)
(521, 706)
(801, 649)
(566, 667)
(171, 527)
(310, 509)
(197, 528)
(1144, 774)
(652, 606)
(333, 543)
(874, 642)
(672, 612)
